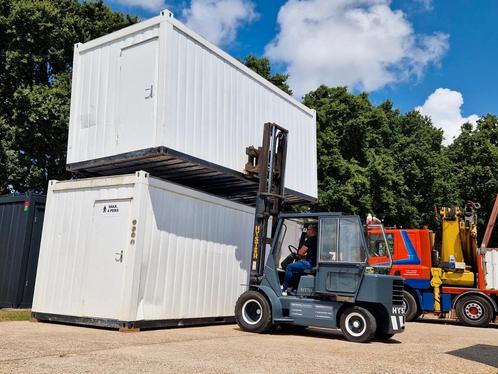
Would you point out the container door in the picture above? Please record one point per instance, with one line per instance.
(34, 250)
(106, 257)
(13, 226)
(137, 96)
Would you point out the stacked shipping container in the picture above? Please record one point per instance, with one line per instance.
(158, 97)
(136, 251)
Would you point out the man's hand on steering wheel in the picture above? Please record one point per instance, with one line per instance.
(293, 250)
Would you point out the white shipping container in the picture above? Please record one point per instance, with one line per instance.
(159, 84)
(491, 259)
(132, 250)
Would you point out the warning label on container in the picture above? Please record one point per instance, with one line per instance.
(110, 209)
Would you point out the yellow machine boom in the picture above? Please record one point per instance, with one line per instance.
(459, 245)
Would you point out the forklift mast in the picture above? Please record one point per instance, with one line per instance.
(268, 164)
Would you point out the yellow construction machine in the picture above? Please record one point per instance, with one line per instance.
(458, 261)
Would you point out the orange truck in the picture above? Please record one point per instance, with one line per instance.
(453, 274)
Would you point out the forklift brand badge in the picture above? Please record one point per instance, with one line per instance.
(257, 230)
(399, 310)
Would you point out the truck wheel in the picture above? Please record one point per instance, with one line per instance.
(358, 324)
(474, 310)
(253, 312)
(411, 307)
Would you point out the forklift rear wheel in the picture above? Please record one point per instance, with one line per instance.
(474, 310)
(358, 324)
(411, 308)
(253, 312)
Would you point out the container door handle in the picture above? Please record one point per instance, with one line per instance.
(119, 256)
(149, 92)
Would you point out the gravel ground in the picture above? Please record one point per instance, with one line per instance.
(425, 347)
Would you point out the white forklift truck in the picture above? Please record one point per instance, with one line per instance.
(341, 290)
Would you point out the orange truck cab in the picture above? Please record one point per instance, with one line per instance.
(411, 259)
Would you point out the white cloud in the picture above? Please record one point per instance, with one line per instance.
(360, 43)
(148, 5)
(444, 108)
(218, 20)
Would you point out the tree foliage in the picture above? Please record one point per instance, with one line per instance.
(475, 157)
(36, 53)
(375, 159)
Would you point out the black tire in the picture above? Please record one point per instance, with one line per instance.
(419, 313)
(383, 336)
(253, 312)
(474, 310)
(358, 324)
(412, 311)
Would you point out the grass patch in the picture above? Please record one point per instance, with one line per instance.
(15, 315)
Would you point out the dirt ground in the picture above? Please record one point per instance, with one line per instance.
(425, 347)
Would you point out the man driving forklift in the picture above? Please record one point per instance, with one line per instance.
(307, 258)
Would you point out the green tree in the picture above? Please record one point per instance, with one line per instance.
(262, 66)
(474, 154)
(373, 159)
(36, 53)
(41, 117)
(343, 183)
(427, 171)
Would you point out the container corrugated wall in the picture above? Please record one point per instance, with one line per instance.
(491, 259)
(21, 221)
(196, 255)
(186, 254)
(159, 84)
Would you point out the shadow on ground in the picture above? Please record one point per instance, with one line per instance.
(483, 353)
(443, 321)
(317, 332)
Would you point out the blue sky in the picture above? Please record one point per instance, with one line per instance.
(439, 56)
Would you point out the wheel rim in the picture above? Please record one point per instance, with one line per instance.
(474, 311)
(356, 324)
(252, 312)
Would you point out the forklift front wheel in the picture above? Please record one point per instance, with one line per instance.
(358, 324)
(253, 312)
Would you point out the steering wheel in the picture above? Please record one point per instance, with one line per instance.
(293, 251)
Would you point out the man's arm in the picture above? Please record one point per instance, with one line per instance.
(302, 251)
